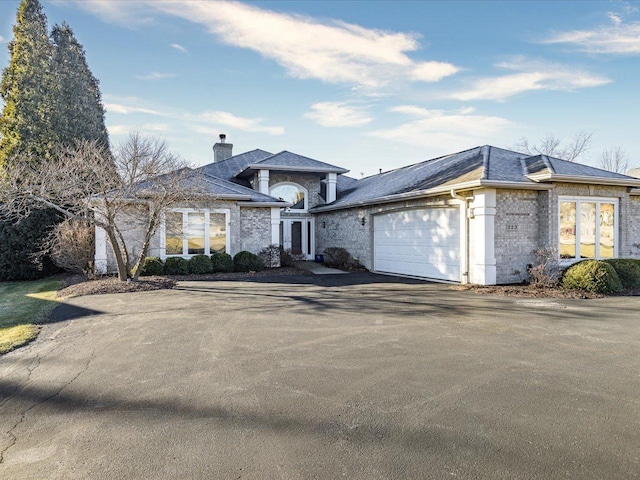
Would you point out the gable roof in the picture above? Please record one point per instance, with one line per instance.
(288, 161)
(480, 166)
(228, 169)
(219, 188)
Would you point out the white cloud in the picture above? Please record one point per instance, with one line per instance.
(179, 47)
(241, 123)
(119, 129)
(127, 109)
(332, 51)
(446, 131)
(338, 114)
(529, 76)
(2, 40)
(155, 76)
(205, 121)
(618, 38)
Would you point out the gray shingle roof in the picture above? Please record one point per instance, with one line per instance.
(487, 163)
(229, 168)
(292, 161)
(218, 187)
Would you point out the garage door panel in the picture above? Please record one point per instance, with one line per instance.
(422, 243)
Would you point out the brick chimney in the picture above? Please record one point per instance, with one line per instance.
(222, 150)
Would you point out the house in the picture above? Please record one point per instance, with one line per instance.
(474, 216)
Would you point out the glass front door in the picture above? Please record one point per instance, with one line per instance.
(297, 235)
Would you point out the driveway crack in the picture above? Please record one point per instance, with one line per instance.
(11, 432)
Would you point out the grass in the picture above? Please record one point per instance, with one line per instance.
(22, 306)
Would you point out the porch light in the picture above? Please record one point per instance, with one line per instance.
(363, 220)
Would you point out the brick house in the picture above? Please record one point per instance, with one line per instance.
(471, 217)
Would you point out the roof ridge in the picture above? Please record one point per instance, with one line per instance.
(486, 153)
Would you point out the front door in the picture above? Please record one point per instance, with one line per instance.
(297, 235)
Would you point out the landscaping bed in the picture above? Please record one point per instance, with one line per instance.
(78, 286)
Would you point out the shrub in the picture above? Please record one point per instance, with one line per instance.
(71, 246)
(593, 276)
(270, 256)
(176, 266)
(628, 271)
(247, 262)
(288, 258)
(152, 266)
(222, 262)
(21, 247)
(338, 257)
(200, 265)
(546, 272)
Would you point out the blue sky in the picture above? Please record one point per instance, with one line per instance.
(364, 85)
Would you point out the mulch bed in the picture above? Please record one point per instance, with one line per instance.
(78, 285)
(533, 291)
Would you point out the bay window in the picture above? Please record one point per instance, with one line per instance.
(194, 232)
(588, 228)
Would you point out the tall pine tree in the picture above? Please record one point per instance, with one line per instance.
(25, 125)
(79, 114)
(51, 101)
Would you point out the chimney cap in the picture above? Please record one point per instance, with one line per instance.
(223, 137)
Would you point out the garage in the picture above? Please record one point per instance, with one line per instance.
(419, 243)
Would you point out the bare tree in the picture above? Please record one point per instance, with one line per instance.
(71, 246)
(553, 146)
(140, 180)
(614, 159)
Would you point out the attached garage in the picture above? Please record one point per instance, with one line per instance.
(419, 243)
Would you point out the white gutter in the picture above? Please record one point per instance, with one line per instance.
(552, 177)
(265, 204)
(294, 169)
(634, 191)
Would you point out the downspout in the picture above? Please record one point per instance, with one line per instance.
(465, 202)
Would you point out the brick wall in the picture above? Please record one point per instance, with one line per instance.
(516, 233)
(255, 229)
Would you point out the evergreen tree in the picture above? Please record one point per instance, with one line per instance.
(25, 124)
(79, 114)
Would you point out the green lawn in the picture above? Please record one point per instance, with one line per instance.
(22, 306)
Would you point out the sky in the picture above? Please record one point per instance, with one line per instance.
(363, 85)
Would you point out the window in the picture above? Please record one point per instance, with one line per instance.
(291, 193)
(193, 232)
(588, 228)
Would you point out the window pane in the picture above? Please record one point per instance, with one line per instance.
(195, 233)
(607, 234)
(218, 232)
(587, 230)
(173, 235)
(567, 229)
(289, 193)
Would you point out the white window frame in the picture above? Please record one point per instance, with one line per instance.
(297, 185)
(597, 201)
(207, 219)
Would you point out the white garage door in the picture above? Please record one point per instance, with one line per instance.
(420, 243)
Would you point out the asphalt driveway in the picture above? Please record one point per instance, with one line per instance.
(347, 376)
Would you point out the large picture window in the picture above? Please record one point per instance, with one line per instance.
(588, 228)
(193, 232)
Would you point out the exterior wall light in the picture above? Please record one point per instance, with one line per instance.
(363, 220)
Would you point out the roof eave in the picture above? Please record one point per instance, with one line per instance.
(550, 177)
(440, 190)
(292, 169)
(265, 204)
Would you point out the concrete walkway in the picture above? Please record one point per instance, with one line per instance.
(318, 268)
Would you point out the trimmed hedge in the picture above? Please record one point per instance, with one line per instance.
(628, 271)
(151, 266)
(176, 266)
(200, 265)
(247, 262)
(592, 276)
(222, 262)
